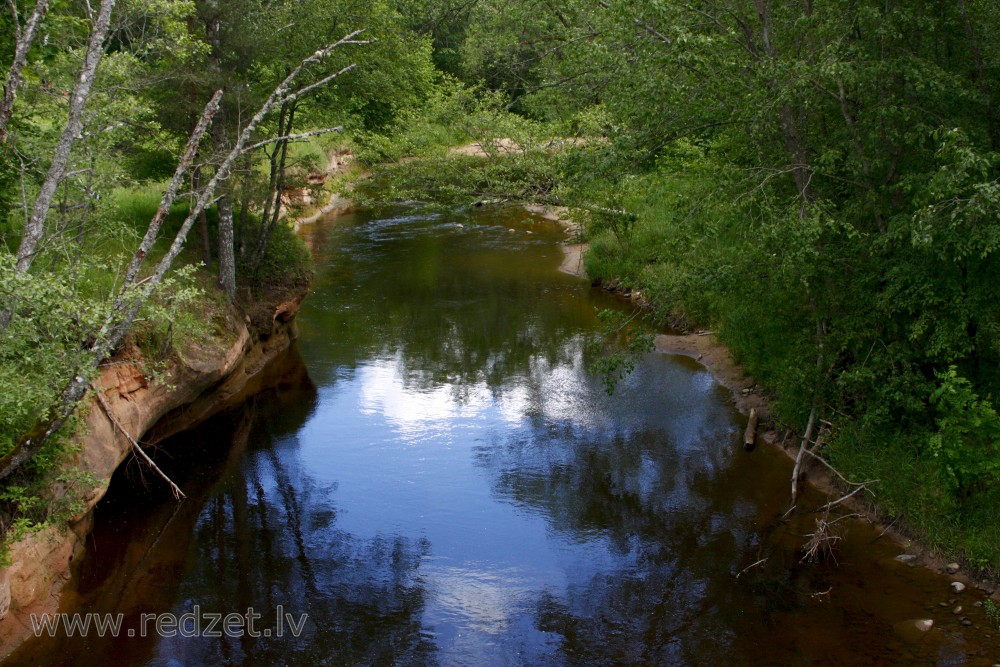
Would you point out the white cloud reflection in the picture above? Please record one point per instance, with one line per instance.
(557, 393)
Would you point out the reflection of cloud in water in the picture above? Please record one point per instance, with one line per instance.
(485, 600)
(383, 390)
(554, 393)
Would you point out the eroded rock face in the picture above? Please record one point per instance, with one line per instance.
(207, 379)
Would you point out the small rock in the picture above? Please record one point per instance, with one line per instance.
(944, 604)
(957, 610)
(510, 231)
(967, 622)
(913, 630)
(745, 392)
(957, 586)
(906, 558)
(951, 568)
(978, 603)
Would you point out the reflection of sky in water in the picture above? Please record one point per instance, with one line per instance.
(456, 466)
(462, 492)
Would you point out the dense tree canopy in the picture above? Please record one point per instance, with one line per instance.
(818, 181)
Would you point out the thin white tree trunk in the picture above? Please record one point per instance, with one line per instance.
(25, 38)
(133, 295)
(35, 228)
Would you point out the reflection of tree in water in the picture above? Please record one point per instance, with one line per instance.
(268, 537)
(453, 311)
(253, 532)
(678, 526)
(279, 546)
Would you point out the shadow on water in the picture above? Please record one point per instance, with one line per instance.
(456, 489)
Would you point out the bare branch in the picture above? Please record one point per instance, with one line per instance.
(176, 490)
(322, 82)
(819, 458)
(750, 567)
(833, 503)
(171, 192)
(292, 137)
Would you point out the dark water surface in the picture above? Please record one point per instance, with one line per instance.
(434, 478)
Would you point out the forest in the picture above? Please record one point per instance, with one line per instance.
(816, 182)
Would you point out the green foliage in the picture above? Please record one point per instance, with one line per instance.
(46, 338)
(175, 313)
(49, 498)
(968, 434)
(992, 613)
(286, 264)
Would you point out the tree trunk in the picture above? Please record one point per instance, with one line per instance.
(273, 177)
(268, 225)
(227, 259)
(33, 231)
(980, 77)
(246, 192)
(24, 40)
(206, 239)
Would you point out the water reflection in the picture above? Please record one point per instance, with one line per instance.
(456, 490)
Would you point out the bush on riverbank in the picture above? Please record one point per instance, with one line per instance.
(894, 339)
(888, 337)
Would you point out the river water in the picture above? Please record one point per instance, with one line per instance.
(435, 478)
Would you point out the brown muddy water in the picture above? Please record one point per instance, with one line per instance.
(435, 479)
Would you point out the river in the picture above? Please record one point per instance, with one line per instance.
(435, 478)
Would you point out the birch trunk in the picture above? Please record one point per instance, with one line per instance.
(35, 227)
(25, 38)
(132, 296)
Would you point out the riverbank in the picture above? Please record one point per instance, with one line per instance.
(204, 378)
(705, 348)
